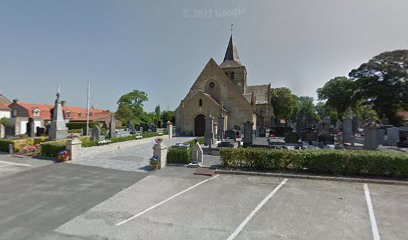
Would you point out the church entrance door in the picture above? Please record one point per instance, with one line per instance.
(199, 125)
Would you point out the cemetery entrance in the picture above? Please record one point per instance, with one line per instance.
(199, 125)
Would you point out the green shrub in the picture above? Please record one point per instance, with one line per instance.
(148, 135)
(79, 125)
(4, 145)
(336, 162)
(51, 149)
(178, 155)
(74, 131)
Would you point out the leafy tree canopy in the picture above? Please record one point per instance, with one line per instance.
(134, 100)
(283, 102)
(383, 81)
(339, 94)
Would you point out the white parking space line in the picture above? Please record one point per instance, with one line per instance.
(374, 227)
(17, 164)
(164, 201)
(260, 205)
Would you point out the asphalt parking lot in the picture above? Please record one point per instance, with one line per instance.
(37, 196)
(175, 204)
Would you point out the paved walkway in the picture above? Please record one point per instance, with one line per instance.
(128, 159)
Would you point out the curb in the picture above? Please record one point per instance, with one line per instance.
(312, 177)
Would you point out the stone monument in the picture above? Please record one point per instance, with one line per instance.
(112, 127)
(58, 128)
(393, 136)
(30, 127)
(131, 127)
(221, 127)
(247, 139)
(371, 136)
(209, 131)
(96, 133)
(197, 155)
(262, 131)
(347, 130)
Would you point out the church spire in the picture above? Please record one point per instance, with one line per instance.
(231, 53)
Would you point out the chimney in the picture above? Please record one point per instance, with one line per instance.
(15, 101)
(63, 103)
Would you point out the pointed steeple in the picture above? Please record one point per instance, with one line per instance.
(231, 53)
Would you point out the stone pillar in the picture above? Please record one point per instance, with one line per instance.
(160, 153)
(74, 146)
(221, 127)
(393, 136)
(371, 136)
(58, 128)
(209, 130)
(112, 127)
(2, 131)
(96, 133)
(170, 129)
(347, 130)
(247, 140)
(381, 136)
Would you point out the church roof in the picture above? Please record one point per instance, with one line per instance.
(261, 93)
(248, 97)
(231, 58)
(214, 101)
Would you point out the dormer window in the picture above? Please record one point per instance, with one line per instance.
(79, 114)
(68, 114)
(36, 112)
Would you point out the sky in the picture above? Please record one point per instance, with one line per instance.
(161, 47)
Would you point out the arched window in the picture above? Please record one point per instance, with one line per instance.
(232, 75)
(200, 103)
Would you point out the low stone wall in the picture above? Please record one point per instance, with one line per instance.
(85, 152)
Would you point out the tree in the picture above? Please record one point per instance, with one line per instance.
(323, 110)
(383, 81)
(339, 94)
(306, 109)
(157, 111)
(168, 116)
(130, 107)
(283, 102)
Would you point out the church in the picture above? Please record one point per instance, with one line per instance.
(222, 90)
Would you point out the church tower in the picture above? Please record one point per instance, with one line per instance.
(233, 68)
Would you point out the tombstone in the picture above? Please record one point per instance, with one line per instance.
(30, 127)
(310, 136)
(381, 136)
(371, 136)
(58, 128)
(2, 131)
(347, 130)
(327, 121)
(112, 128)
(273, 122)
(393, 136)
(291, 138)
(170, 129)
(131, 127)
(96, 134)
(197, 154)
(40, 131)
(247, 140)
(209, 131)
(141, 129)
(221, 127)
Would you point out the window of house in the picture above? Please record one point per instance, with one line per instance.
(68, 114)
(36, 112)
(200, 103)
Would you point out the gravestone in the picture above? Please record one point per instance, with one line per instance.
(197, 154)
(347, 130)
(310, 136)
(393, 136)
(112, 128)
(221, 127)
(339, 124)
(209, 131)
(30, 127)
(2, 131)
(371, 136)
(247, 139)
(273, 122)
(40, 131)
(291, 138)
(58, 128)
(381, 136)
(96, 133)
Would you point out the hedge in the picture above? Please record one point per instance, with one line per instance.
(178, 155)
(79, 125)
(324, 161)
(51, 149)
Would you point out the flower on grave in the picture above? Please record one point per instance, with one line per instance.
(154, 160)
(106, 141)
(64, 155)
(71, 135)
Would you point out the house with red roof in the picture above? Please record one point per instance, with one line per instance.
(4, 109)
(42, 115)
